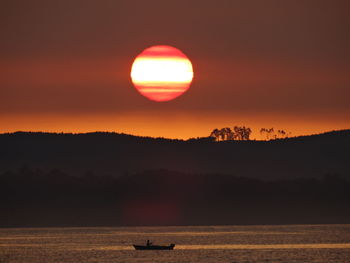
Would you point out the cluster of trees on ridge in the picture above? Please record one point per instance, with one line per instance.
(32, 197)
(270, 133)
(226, 134)
(242, 133)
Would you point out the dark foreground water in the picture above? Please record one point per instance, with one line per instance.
(305, 243)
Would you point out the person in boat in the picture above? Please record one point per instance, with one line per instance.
(149, 243)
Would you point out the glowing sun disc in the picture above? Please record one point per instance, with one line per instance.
(161, 73)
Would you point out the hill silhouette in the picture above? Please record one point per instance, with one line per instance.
(112, 154)
(109, 179)
(35, 198)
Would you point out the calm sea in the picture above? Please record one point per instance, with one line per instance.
(232, 244)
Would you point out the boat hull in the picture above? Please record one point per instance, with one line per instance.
(140, 247)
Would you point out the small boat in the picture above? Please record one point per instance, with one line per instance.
(154, 247)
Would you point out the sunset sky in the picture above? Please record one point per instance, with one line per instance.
(65, 65)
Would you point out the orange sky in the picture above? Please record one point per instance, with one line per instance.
(180, 125)
(65, 66)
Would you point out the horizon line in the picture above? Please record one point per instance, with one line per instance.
(166, 138)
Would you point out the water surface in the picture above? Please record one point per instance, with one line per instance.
(293, 243)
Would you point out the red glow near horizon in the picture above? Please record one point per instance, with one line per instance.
(162, 73)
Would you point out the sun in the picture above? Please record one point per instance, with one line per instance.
(162, 73)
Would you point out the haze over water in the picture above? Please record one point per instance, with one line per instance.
(294, 243)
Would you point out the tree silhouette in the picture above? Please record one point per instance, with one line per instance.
(267, 132)
(227, 134)
(242, 133)
(270, 134)
(215, 134)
